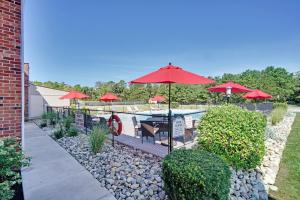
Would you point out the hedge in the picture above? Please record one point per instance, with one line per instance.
(195, 174)
(235, 134)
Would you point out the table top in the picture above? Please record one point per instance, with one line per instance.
(155, 119)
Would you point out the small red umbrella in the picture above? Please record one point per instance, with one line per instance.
(228, 88)
(74, 95)
(168, 75)
(257, 94)
(235, 88)
(158, 98)
(109, 97)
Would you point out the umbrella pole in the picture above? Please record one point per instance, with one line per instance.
(170, 134)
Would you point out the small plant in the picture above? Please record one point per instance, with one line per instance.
(45, 116)
(60, 132)
(277, 114)
(280, 105)
(11, 161)
(97, 138)
(195, 174)
(235, 134)
(72, 132)
(52, 118)
(67, 123)
(43, 123)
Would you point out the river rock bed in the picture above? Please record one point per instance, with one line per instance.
(127, 173)
(132, 174)
(255, 183)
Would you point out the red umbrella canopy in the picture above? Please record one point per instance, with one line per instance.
(74, 95)
(235, 88)
(257, 94)
(109, 97)
(158, 98)
(172, 74)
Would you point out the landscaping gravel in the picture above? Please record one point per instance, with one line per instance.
(127, 173)
(132, 174)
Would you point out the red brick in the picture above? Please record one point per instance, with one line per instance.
(10, 68)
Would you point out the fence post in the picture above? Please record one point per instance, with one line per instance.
(111, 128)
(85, 122)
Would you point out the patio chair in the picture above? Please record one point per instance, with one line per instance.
(148, 130)
(137, 127)
(189, 128)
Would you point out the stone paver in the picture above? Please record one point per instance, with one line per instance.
(54, 174)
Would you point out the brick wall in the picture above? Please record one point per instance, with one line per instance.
(10, 68)
(26, 90)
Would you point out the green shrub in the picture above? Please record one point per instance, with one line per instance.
(43, 123)
(11, 161)
(235, 134)
(72, 132)
(52, 118)
(45, 116)
(59, 132)
(277, 115)
(97, 138)
(67, 123)
(195, 174)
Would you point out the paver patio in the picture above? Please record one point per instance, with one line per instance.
(55, 174)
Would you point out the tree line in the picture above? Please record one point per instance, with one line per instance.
(277, 81)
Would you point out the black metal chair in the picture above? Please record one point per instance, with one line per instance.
(148, 130)
(137, 127)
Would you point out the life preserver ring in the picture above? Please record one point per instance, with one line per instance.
(115, 130)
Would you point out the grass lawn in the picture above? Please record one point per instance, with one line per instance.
(288, 178)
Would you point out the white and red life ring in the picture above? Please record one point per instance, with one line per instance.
(112, 122)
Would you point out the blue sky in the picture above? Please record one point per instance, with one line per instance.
(77, 41)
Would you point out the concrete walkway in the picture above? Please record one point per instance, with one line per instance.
(54, 174)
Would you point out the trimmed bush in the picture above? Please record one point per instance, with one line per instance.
(195, 174)
(11, 161)
(97, 138)
(235, 134)
(277, 114)
(72, 132)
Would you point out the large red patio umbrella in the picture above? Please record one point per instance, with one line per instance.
(109, 97)
(228, 88)
(257, 94)
(75, 96)
(168, 75)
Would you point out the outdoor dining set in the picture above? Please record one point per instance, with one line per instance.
(157, 127)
